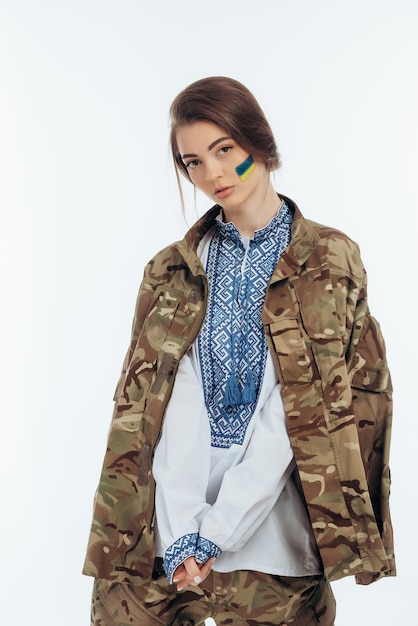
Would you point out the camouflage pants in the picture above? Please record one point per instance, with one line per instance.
(234, 599)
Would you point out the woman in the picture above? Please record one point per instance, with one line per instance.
(247, 462)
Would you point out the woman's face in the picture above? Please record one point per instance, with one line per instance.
(211, 158)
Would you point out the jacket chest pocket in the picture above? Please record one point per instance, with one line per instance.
(148, 356)
(292, 351)
(175, 333)
(160, 317)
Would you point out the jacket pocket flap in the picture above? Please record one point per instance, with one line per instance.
(291, 351)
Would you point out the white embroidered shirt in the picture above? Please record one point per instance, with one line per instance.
(223, 490)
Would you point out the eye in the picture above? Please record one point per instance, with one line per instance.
(225, 149)
(192, 164)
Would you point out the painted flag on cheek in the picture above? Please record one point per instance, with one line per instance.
(245, 168)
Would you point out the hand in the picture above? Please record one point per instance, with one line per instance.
(191, 573)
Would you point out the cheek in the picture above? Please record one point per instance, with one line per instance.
(198, 178)
(193, 177)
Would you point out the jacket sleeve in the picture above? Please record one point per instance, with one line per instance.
(372, 402)
(143, 304)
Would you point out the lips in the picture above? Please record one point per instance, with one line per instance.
(223, 192)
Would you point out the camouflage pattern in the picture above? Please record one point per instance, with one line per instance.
(237, 598)
(330, 359)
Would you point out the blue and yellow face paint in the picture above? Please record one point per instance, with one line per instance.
(246, 168)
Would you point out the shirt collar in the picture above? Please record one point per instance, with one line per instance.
(281, 219)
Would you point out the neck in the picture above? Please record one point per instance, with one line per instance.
(248, 219)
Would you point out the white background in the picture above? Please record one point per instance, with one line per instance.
(87, 195)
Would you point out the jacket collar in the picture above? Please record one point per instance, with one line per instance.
(303, 242)
(188, 246)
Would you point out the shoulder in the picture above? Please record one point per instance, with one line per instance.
(319, 244)
(339, 250)
(163, 263)
(332, 236)
(182, 255)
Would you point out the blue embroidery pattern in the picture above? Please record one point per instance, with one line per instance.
(232, 338)
(178, 552)
(188, 545)
(205, 550)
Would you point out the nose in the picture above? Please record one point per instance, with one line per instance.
(213, 170)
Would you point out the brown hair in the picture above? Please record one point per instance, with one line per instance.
(231, 106)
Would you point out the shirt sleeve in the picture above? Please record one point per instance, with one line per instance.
(250, 489)
(181, 469)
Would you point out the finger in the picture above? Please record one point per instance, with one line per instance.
(179, 573)
(205, 569)
(190, 577)
(187, 582)
(189, 574)
(193, 570)
(179, 577)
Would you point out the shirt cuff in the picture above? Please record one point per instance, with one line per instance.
(205, 549)
(178, 552)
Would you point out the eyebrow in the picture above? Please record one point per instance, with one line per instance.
(212, 145)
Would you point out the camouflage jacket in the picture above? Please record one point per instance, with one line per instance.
(330, 359)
